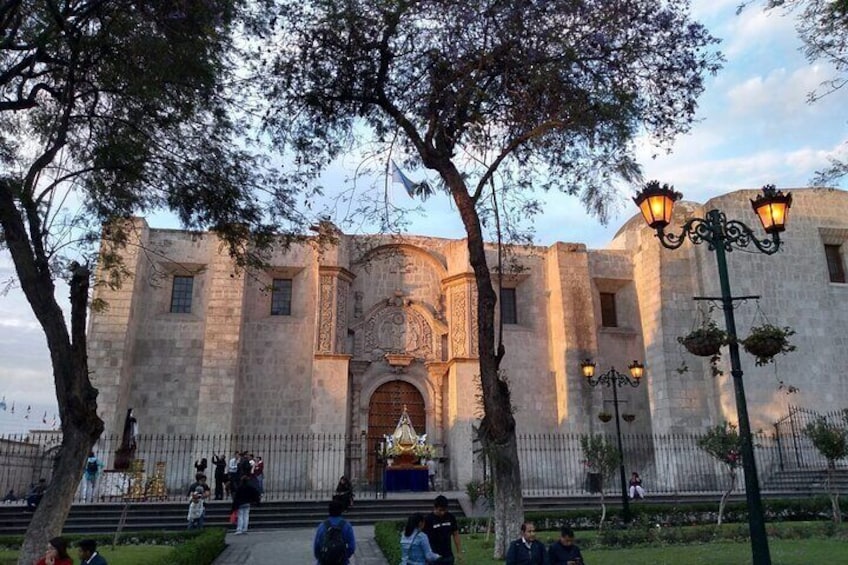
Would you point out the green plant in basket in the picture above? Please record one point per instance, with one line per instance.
(766, 341)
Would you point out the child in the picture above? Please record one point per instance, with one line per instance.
(195, 509)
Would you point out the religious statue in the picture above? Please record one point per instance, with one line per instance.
(126, 452)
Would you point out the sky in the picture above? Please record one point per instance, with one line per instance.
(755, 127)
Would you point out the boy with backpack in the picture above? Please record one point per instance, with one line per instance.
(334, 543)
(92, 470)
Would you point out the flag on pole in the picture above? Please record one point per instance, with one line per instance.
(398, 176)
(421, 189)
(44, 418)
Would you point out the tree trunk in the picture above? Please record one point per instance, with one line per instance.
(725, 495)
(497, 429)
(833, 493)
(603, 512)
(77, 399)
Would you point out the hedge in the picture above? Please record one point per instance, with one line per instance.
(654, 524)
(202, 550)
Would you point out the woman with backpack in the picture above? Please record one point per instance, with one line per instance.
(414, 544)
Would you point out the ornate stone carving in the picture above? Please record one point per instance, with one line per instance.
(398, 329)
(357, 303)
(473, 333)
(325, 323)
(458, 332)
(341, 314)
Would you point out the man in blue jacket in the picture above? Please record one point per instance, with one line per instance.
(526, 550)
(334, 543)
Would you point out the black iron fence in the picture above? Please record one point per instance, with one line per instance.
(308, 466)
(795, 450)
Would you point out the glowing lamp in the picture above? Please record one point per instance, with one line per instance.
(587, 368)
(656, 203)
(772, 207)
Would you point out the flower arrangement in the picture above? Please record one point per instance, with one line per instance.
(425, 451)
(766, 341)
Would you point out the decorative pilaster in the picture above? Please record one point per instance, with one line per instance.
(462, 318)
(332, 310)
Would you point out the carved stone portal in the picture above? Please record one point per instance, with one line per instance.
(398, 329)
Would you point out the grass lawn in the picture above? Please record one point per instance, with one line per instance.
(122, 555)
(783, 552)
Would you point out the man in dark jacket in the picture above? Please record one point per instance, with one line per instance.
(563, 551)
(526, 550)
(335, 520)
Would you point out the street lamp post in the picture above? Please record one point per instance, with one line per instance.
(614, 379)
(722, 236)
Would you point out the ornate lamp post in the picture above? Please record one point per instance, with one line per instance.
(722, 236)
(614, 379)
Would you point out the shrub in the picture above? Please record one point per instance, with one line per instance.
(202, 550)
(387, 536)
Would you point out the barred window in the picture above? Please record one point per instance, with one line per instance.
(181, 295)
(835, 266)
(609, 318)
(281, 296)
(509, 309)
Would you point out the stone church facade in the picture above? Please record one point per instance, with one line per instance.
(339, 339)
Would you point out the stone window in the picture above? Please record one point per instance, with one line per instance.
(281, 297)
(835, 264)
(609, 318)
(181, 295)
(509, 308)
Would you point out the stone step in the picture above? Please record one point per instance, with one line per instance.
(105, 517)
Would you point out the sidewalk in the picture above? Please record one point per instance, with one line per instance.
(293, 546)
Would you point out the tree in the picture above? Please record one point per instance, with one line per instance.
(497, 98)
(831, 440)
(722, 442)
(114, 108)
(822, 26)
(601, 457)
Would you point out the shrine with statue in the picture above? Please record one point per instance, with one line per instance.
(405, 453)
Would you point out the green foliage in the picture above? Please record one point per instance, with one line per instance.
(600, 455)
(830, 439)
(723, 443)
(705, 341)
(387, 536)
(201, 550)
(766, 341)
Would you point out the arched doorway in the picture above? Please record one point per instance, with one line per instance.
(384, 410)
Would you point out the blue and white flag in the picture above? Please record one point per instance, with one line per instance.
(398, 176)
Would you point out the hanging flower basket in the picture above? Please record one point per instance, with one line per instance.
(604, 417)
(705, 341)
(767, 341)
(629, 418)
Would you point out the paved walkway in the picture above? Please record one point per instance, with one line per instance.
(292, 547)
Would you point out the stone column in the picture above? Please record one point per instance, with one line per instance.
(571, 335)
(330, 378)
(221, 344)
(111, 333)
(463, 373)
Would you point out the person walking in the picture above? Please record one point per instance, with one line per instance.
(440, 527)
(334, 542)
(415, 545)
(526, 550)
(431, 473)
(93, 465)
(563, 551)
(244, 496)
(57, 553)
(88, 553)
